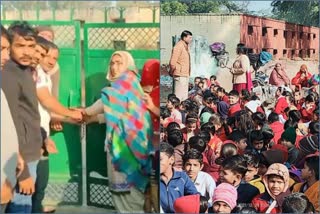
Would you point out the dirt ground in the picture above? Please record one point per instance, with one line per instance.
(225, 78)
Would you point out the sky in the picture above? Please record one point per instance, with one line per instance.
(264, 6)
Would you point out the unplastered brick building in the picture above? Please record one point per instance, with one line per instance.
(282, 39)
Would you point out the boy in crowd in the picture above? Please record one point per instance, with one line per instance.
(173, 184)
(252, 176)
(204, 183)
(234, 103)
(288, 139)
(310, 174)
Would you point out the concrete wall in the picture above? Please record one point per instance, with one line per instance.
(216, 28)
(132, 15)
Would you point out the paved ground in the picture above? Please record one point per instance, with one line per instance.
(80, 209)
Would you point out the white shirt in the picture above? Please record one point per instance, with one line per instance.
(205, 186)
(44, 80)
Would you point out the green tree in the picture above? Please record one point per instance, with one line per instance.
(301, 12)
(183, 7)
(173, 8)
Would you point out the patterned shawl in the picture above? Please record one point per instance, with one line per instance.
(129, 129)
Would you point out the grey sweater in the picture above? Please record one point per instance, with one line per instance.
(20, 90)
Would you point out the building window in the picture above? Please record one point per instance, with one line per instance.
(250, 30)
(275, 51)
(314, 36)
(285, 34)
(284, 53)
(250, 50)
(300, 53)
(309, 36)
(314, 51)
(301, 35)
(292, 53)
(275, 32)
(264, 31)
(293, 35)
(264, 49)
(309, 53)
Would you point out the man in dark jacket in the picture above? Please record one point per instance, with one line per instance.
(20, 90)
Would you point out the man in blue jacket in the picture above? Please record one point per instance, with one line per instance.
(173, 184)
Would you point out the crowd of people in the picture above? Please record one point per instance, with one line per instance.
(230, 152)
(129, 105)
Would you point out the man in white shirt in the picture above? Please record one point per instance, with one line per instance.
(204, 183)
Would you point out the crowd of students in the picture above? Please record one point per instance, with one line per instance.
(229, 152)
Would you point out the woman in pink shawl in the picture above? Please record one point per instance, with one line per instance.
(278, 76)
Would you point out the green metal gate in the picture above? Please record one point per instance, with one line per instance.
(100, 41)
(81, 156)
(65, 179)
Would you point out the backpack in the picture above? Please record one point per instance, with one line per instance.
(254, 59)
(217, 48)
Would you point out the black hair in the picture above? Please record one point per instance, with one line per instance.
(273, 117)
(313, 163)
(203, 204)
(164, 112)
(256, 135)
(244, 121)
(294, 115)
(245, 94)
(191, 118)
(175, 137)
(4, 33)
(213, 77)
(235, 163)
(290, 98)
(297, 203)
(234, 93)
(228, 150)
(252, 159)
(192, 154)
(197, 143)
(254, 97)
(205, 136)
(220, 89)
(244, 208)
(173, 125)
(185, 33)
(171, 95)
(259, 118)
(23, 29)
(236, 136)
(208, 127)
(175, 101)
(166, 148)
(314, 127)
(310, 98)
(207, 109)
(241, 48)
(290, 123)
(45, 44)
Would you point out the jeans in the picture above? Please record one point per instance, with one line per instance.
(41, 185)
(22, 203)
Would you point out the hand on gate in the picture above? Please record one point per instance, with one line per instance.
(27, 186)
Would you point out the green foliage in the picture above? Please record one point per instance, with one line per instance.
(173, 8)
(184, 7)
(301, 12)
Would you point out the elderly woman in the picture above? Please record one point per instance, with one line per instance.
(301, 78)
(278, 76)
(128, 134)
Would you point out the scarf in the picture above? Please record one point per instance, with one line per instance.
(128, 129)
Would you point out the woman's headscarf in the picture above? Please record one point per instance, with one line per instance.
(128, 126)
(280, 170)
(128, 64)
